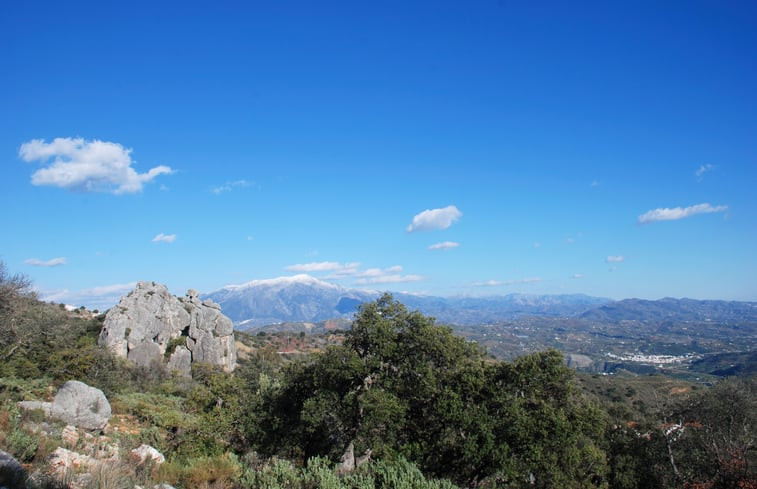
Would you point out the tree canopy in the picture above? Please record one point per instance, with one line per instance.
(400, 385)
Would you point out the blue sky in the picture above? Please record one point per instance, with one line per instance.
(607, 148)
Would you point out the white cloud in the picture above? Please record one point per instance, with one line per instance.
(666, 214)
(379, 272)
(352, 272)
(578, 275)
(324, 266)
(229, 186)
(615, 259)
(707, 167)
(389, 279)
(446, 245)
(101, 297)
(165, 238)
(432, 219)
(87, 166)
(53, 262)
(496, 283)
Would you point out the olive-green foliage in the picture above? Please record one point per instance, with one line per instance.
(217, 399)
(172, 344)
(400, 385)
(34, 337)
(714, 446)
(22, 444)
(319, 473)
(205, 471)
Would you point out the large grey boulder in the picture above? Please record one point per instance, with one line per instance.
(150, 320)
(76, 404)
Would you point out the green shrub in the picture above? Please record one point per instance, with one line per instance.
(21, 444)
(219, 471)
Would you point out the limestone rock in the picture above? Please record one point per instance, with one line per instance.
(76, 404)
(62, 461)
(180, 360)
(347, 463)
(12, 474)
(145, 452)
(143, 324)
(70, 435)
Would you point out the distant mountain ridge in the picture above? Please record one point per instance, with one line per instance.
(670, 309)
(302, 298)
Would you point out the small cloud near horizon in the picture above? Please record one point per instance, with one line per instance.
(53, 262)
(79, 165)
(615, 259)
(100, 297)
(323, 266)
(434, 219)
(164, 238)
(667, 214)
(446, 245)
(496, 283)
(389, 279)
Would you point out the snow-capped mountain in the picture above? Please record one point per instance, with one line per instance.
(305, 298)
(296, 298)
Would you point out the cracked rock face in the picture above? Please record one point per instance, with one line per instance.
(152, 326)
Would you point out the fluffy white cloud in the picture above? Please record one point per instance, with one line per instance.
(446, 245)
(101, 297)
(578, 275)
(615, 259)
(495, 283)
(432, 219)
(666, 214)
(86, 166)
(53, 262)
(324, 266)
(704, 169)
(165, 238)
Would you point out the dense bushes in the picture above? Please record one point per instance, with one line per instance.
(402, 386)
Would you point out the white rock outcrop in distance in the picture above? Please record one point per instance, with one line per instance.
(143, 324)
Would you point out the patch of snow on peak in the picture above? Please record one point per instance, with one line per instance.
(283, 282)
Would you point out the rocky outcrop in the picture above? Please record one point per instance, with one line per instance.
(151, 326)
(76, 404)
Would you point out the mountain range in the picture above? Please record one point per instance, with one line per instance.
(304, 298)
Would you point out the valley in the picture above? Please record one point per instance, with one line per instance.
(691, 339)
